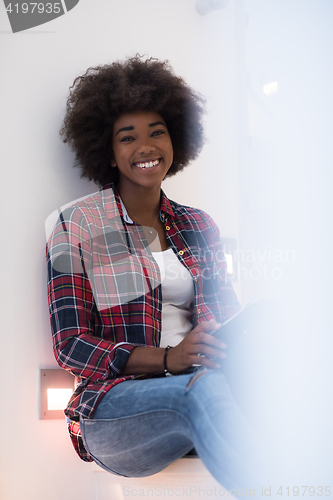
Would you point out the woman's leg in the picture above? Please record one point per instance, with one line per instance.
(141, 426)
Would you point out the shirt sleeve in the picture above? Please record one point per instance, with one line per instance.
(72, 306)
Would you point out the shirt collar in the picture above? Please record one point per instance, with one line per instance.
(126, 217)
(111, 202)
(114, 206)
(165, 208)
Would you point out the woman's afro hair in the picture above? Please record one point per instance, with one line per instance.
(103, 93)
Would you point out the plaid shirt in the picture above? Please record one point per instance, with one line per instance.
(104, 290)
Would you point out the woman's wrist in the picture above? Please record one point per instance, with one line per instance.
(166, 371)
(145, 360)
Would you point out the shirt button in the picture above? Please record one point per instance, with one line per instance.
(167, 228)
(181, 252)
(199, 311)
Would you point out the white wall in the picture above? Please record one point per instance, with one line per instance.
(286, 207)
(38, 66)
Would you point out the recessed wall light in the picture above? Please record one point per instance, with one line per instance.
(56, 388)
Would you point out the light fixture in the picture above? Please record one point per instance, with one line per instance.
(229, 247)
(56, 388)
(230, 264)
(270, 88)
(206, 6)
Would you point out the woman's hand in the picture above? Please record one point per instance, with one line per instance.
(198, 341)
(184, 355)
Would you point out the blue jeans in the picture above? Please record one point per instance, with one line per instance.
(141, 426)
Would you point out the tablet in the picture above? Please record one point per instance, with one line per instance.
(253, 319)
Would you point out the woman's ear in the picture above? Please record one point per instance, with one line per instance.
(113, 162)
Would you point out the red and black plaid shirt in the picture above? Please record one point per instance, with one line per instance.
(104, 290)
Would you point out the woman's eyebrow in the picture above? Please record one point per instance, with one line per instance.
(156, 123)
(130, 127)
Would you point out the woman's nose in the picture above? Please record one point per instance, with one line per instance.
(145, 147)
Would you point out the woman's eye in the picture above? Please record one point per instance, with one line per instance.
(158, 132)
(126, 139)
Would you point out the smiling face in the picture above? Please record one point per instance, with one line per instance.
(142, 150)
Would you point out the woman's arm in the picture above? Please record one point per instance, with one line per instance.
(72, 306)
(181, 357)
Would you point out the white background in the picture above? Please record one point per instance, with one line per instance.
(264, 175)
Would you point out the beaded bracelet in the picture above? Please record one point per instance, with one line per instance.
(166, 372)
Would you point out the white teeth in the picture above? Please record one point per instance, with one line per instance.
(147, 164)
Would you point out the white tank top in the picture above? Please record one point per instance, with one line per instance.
(177, 298)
